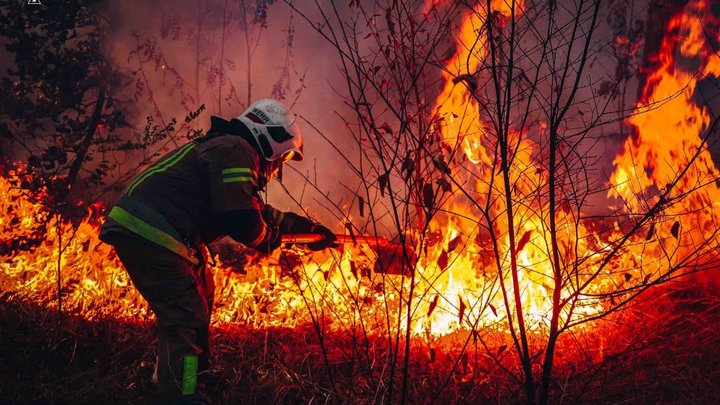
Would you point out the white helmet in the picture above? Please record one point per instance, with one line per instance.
(274, 129)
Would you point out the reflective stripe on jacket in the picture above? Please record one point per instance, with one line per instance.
(155, 228)
(179, 201)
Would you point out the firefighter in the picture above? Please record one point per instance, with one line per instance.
(195, 194)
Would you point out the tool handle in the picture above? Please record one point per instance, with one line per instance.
(344, 239)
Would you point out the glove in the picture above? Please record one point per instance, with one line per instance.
(272, 238)
(328, 241)
(293, 223)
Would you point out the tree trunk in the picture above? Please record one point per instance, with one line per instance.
(84, 146)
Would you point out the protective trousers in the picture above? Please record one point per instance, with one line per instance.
(181, 296)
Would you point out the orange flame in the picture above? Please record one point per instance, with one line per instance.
(668, 131)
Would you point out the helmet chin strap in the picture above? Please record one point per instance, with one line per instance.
(264, 190)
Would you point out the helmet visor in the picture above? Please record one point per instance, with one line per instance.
(287, 156)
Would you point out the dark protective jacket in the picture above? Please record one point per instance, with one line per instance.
(203, 190)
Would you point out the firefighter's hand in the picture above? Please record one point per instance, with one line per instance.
(270, 243)
(329, 238)
(293, 223)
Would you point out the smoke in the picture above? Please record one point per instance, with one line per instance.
(181, 54)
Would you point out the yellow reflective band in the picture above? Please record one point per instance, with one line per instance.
(238, 178)
(238, 174)
(190, 369)
(162, 165)
(149, 232)
(234, 170)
